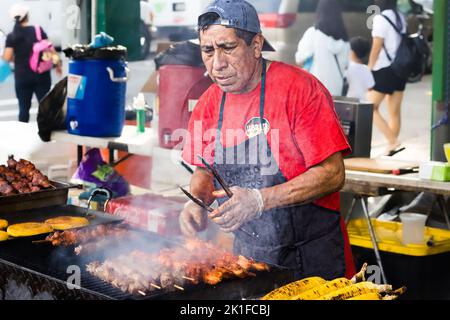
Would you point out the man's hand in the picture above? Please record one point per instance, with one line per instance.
(192, 219)
(245, 205)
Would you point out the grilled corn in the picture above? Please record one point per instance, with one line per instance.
(323, 289)
(355, 290)
(294, 289)
(368, 296)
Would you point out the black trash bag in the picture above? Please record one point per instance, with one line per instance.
(52, 111)
(84, 52)
(184, 53)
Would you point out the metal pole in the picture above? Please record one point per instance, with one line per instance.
(93, 19)
(441, 82)
(350, 211)
(374, 240)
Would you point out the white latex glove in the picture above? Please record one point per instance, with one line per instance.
(193, 219)
(245, 205)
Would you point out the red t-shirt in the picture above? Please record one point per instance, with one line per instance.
(304, 129)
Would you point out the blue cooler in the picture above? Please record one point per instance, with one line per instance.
(96, 92)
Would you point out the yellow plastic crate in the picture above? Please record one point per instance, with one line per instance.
(389, 235)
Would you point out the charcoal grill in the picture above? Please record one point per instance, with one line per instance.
(43, 268)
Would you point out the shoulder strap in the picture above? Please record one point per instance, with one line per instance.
(387, 53)
(37, 30)
(396, 29)
(338, 65)
(393, 25)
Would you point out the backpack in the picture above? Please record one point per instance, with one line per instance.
(412, 55)
(41, 55)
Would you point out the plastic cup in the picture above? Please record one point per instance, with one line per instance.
(447, 151)
(413, 228)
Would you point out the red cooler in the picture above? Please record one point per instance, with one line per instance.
(177, 85)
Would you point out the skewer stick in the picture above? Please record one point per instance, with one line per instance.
(155, 286)
(188, 278)
(41, 241)
(142, 293)
(178, 287)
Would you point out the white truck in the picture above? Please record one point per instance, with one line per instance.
(49, 14)
(177, 19)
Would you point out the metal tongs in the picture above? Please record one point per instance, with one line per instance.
(225, 187)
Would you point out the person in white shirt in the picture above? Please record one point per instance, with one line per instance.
(327, 44)
(359, 77)
(386, 42)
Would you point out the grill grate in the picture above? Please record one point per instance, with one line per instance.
(43, 269)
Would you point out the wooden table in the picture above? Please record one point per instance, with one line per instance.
(375, 184)
(366, 184)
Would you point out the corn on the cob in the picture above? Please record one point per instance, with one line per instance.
(355, 290)
(323, 289)
(368, 296)
(295, 288)
(393, 295)
(361, 275)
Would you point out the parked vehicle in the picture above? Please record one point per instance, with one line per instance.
(47, 13)
(145, 28)
(177, 20)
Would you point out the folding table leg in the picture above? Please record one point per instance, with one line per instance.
(443, 207)
(373, 238)
(350, 211)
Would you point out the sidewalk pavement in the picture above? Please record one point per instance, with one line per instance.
(415, 133)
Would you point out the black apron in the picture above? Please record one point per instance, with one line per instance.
(305, 238)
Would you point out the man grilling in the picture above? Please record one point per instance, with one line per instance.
(271, 132)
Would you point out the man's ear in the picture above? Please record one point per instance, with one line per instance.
(257, 45)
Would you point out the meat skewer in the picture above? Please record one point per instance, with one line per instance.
(196, 261)
(82, 236)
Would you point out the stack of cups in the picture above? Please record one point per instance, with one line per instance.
(413, 228)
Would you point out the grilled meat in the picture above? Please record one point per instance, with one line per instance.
(11, 162)
(5, 188)
(22, 177)
(82, 236)
(194, 262)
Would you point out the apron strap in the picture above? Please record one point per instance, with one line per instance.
(262, 98)
(261, 101)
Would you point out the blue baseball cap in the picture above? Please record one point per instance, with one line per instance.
(238, 14)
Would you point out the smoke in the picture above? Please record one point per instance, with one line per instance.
(19, 291)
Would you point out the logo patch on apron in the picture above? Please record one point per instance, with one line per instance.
(253, 127)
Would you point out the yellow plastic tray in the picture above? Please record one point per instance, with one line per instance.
(389, 235)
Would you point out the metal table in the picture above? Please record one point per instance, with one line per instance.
(366, 184)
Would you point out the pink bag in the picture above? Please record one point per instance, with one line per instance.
(41, 55)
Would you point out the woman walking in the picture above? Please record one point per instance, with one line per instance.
(386, 41)
(326, 43)
(18, 49)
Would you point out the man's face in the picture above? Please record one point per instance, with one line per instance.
(230, 62)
